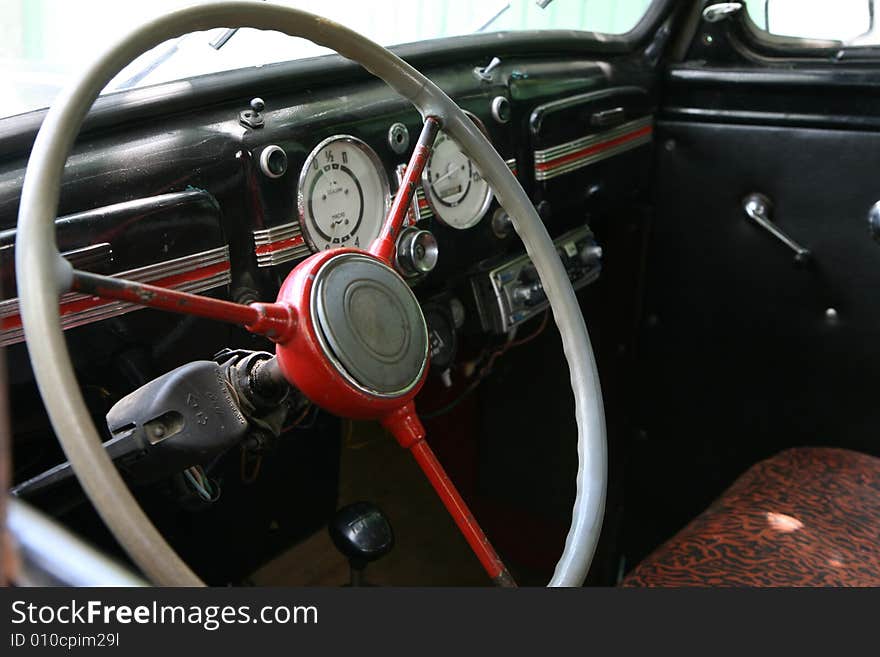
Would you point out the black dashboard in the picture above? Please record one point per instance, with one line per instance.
(214, 196)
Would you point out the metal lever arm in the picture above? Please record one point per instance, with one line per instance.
(758, 208)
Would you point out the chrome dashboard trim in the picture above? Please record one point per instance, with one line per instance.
(572, 155)
(280, 244)
(207, 270)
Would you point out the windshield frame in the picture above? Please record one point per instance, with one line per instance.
(17, 132)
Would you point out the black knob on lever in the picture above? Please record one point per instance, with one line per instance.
(363, 534)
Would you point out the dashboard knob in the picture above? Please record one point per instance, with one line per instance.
(416, 252)
(591, 255)
(529, 295)
(502, 224)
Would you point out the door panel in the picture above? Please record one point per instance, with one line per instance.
(741, 352)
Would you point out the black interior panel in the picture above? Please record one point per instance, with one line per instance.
(743, 353)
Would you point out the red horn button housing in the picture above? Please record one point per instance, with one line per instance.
(360, 348)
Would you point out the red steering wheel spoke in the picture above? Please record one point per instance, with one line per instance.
(406, 427)
(277, 321)
(383, 247)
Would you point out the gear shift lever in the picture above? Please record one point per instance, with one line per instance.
(363, 534)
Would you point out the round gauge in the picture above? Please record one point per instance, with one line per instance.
(454, 188)
(343, 194)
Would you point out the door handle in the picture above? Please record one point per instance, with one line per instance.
(758, 209)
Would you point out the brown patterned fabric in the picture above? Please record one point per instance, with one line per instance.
(806, 517)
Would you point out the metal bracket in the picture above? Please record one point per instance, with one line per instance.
(758, 208)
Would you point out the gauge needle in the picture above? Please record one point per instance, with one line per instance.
(450, 169)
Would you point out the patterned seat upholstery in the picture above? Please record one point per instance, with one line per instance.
(805, 517)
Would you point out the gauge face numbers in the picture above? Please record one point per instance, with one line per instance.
(453, 186)
(343, 194)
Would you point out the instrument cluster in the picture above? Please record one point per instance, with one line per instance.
(343, 191)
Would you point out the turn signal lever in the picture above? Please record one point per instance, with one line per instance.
(186, 417)
(363, 534)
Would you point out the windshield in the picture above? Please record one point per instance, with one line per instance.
(43, 43)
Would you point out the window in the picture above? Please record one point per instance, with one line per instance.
(849, 22)
(44, 42)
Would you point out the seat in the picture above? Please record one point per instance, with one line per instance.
(805, 517)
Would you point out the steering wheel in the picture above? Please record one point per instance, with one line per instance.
(331, 342)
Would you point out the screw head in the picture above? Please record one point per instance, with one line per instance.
(258, 105)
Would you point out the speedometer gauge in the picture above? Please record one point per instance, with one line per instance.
(343, 194)
(454, 188)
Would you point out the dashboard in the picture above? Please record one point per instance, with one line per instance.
(225, 198)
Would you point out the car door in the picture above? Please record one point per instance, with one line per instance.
(761, 324)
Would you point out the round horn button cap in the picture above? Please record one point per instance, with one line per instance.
(370, 323)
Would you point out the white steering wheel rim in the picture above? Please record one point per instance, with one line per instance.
(42, 273)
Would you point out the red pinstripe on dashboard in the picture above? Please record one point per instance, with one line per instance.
(90, 303)
(280, 245)
(564, 158)
(195, 273)
(596, 148)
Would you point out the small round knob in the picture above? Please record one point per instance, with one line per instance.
(591, 255)
(530, 294)
(258, 105)
(417, 252)
(502, 224)
(362, 533)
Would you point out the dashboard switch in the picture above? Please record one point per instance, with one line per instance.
(530, 294)
(591, 255)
